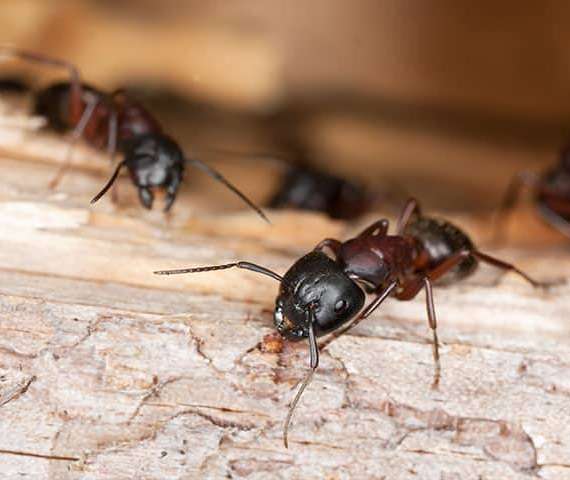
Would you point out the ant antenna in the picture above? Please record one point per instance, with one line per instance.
(109, 183)
(314, 356)
(220, 178)
(245, 265)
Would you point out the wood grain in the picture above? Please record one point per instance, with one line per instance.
(110, 372)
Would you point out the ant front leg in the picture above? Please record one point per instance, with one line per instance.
(410, 291)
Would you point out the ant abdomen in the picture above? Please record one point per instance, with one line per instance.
(52, 103)
(439, 240)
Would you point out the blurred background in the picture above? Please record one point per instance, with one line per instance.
(443, 99)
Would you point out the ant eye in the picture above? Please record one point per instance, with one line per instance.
(340, 306)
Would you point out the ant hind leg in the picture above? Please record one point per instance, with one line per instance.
(483, 257)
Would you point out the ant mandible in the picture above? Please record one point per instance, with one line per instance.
(153, 159)
(551, 191)
(322, 294)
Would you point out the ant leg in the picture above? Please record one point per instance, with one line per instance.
(413, 287)
(432, 319)
(77, 113)
(410, 291)
(379, 228)
(314, 359)
(330, 243)
(483, 257)
(510, 199)
(75, 136)
(383, 295)
(75, 104)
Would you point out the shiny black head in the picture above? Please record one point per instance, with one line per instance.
(154, 161)
(315, 282)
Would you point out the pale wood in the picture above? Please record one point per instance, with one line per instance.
(110, 372)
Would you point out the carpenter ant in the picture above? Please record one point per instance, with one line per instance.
(310, 189)
(153, 159)
(322, 294)
(551, 191)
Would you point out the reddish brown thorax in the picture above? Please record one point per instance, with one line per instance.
(379, 258)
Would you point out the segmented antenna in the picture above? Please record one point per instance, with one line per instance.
(220, 178)
(244, 265)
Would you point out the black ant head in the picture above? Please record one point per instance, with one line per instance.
(155, 161)
(315, 283)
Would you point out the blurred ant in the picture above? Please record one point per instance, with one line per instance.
(304, 187)
(325, 294)
(153, 159)
(313, 190)
(551, 192)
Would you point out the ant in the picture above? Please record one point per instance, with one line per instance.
(325, 293)
(313, 190)
(551, 191)
(304, 187)
(153, 159)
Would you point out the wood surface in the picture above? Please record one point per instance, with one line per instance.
(110, 372)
